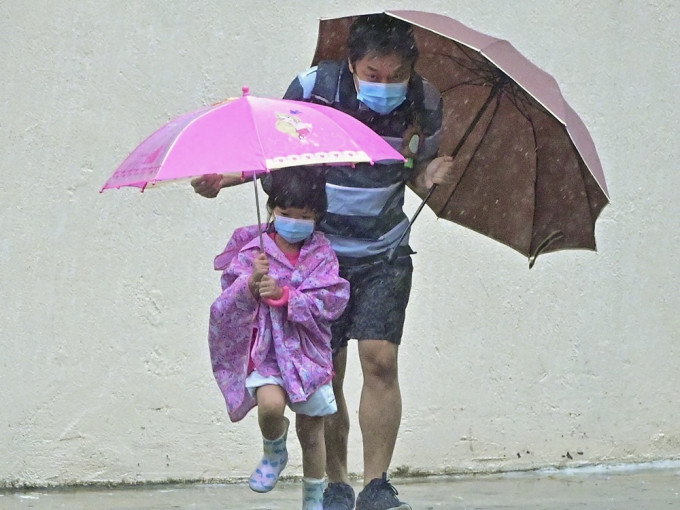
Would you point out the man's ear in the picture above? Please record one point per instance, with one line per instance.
(351, 67)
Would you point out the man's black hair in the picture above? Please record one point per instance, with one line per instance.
(298, 186)
(383, 35)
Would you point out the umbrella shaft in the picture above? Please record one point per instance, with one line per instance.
(495, 91)
(257, 206)
(392, 253)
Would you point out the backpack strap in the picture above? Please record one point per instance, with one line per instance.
(326, 85)
(416, 93)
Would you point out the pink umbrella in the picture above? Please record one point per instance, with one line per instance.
(250, 135)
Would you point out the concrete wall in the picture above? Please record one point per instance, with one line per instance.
(104, 367)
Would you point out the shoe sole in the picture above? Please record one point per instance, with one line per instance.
(403, 506)
(263, 490)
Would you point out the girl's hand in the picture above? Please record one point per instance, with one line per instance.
(269, 288)
(260, 269)
(260, 266)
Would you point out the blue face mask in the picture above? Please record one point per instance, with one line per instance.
(293, 230)
(382, 97)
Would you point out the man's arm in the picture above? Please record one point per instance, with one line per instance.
(428, 168)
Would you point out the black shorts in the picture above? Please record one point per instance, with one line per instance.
(379, 293)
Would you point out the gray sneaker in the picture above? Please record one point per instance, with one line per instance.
(338, 496)
(379, 494)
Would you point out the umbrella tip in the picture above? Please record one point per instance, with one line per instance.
(246, 90)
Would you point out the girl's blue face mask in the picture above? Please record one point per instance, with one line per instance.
(293, 230)
(381, 97)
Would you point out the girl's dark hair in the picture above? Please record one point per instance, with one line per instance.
(383, 35)
(298, 186)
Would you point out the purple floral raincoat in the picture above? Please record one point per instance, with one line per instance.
(292, 340)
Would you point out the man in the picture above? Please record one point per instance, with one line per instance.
(377, 85)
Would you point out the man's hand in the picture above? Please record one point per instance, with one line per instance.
(437, 171)
(209, 185)
(269, 288)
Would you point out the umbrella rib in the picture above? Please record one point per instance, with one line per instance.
(521, 99)
(482, 69)
(543, 244)
(462, 84)
(461, 62)
(257, 131)
(521, 105)
(488, 70)
(208, 111)
(485, 67)
(495, 92)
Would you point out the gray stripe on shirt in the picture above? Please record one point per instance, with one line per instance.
(350, 201)
(352, 247)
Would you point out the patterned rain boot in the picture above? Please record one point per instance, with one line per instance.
(312, 493)
(274, 459)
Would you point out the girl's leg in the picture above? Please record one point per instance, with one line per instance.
(310, 434)
(271, 402)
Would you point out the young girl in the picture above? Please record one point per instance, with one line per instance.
(270, 328)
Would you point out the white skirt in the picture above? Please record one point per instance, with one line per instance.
(319, 403)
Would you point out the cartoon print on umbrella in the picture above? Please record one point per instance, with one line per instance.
(289, 123)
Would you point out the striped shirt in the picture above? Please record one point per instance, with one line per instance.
(365, 214)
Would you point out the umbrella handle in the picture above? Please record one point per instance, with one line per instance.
(553, 236)
(392, 253)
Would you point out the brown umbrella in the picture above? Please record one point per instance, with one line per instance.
(526, 170)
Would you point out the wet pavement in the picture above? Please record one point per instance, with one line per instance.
(597, 488)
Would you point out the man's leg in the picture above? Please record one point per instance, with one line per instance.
(336, 426)
(380, 405)
(339, 494)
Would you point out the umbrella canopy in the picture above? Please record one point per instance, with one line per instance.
(526, 170)
(250, 135)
